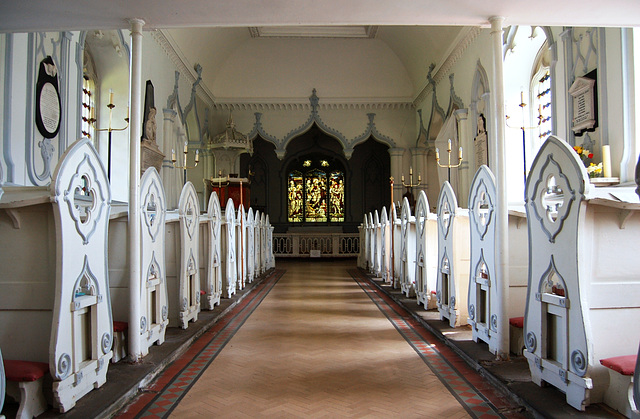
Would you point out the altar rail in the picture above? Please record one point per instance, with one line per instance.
(316, 245)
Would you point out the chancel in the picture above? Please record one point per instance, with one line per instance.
(227, 210)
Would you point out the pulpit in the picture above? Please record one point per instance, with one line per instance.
(236, 189)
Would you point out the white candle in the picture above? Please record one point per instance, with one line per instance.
(449, 147)
(173, 155)
(437, 154)
(460, 153)
(186, 147)
(110, 96)
(606, 160)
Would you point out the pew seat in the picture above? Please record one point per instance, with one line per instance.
(619, 394)
(516, 335)
(120, 330)
(24, 384)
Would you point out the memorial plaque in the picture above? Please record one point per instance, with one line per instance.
(584, 107)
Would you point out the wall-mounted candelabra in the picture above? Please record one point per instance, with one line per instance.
(449, 166)
(184, 164)
(522, 105)
(110, 129)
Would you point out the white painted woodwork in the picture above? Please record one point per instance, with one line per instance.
(210, 257)
(251, 265)
(228, 250)
(426, 275)
(257, 238)
(485, 293)
(271, 261)
(366, 243)
(362, 254)
(263, 243)
(377, 244)
(241, 248)
(154, 304)
(397, 248)
(183, 274)
(453, 258)
(584, 279)
(371, 257)
(152, 301)
(385, 251)
(408, 250)
(60, 306)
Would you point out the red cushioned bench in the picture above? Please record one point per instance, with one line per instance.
(119, 341)
(516, 335)
(619, 394)
(24, 384)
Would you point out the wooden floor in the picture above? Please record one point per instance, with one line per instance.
(318, 346)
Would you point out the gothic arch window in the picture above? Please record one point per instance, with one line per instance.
(315, 187)
(540, 92)
(89, 89)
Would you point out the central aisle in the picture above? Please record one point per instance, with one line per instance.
(317, 345)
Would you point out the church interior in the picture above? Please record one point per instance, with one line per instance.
(160, 161)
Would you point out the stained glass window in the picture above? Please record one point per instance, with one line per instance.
(336, 196)
(315, 196)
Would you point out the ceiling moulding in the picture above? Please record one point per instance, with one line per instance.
(186, 70)
(327, 104)
(466, 36)
(313, 31)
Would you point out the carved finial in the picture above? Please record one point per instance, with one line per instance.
(314, 100)
(230, 123)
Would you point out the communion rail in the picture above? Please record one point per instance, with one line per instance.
(316, 245)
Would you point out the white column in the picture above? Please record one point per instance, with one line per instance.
(464, 175)
(502, 214)
(168, 143)
(134, 188)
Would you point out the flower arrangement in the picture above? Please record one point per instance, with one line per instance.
(593, 170)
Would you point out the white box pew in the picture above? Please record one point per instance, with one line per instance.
(364, 243)
(257, 244)
(385, 229)
(271, 261)
(251, 265)
(263, 243)
(426, 275)
(396, 227)
(377, 245)
(228, 250)
(583, 299)
(371, 244)
(485, 294)
(241, 247)
(58, 310)
(153, 301)
(408, 250)
(181, 252)
(210, 275)
(453, 258)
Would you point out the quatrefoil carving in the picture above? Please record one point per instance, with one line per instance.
(482, 209)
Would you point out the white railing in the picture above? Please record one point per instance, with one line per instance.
(316, 245)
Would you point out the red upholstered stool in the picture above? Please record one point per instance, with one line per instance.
(24, 384)
(119, 341)
(619, 394)
(516, 335)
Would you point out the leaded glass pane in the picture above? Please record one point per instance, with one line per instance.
(295, 197)
(316, 196)
(336, 194)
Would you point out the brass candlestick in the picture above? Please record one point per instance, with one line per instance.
(110, 129)
(449, 166)
(184, 165)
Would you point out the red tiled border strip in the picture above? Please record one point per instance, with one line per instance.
(454, 374)
(174, 383)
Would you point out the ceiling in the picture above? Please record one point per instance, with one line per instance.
(418, 32)
(34, 15)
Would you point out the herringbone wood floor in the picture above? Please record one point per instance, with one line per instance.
(317, 346)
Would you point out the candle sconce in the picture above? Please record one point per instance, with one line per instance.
(540, 118)
(449, 166)
(184, 164)
(110, 129)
